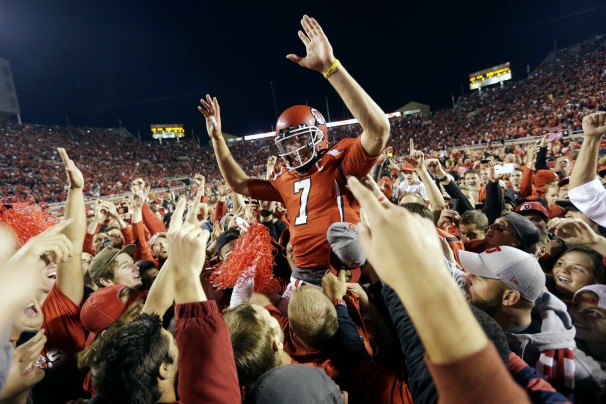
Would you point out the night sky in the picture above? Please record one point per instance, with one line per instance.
(150, 61)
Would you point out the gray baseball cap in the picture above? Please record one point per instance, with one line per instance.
(516, 268)
(345, 245)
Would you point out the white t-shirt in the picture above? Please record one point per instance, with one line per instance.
(590, 198)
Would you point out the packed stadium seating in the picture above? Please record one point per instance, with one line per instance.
(565, 87)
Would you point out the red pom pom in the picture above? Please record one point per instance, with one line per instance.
(252, 257)
(25, 219)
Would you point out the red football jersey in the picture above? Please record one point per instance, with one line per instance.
(317, 198)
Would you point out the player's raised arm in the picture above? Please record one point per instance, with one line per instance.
(320, 58)
(231, 171)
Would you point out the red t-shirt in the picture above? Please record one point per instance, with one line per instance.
(65, 337)
(317, 198)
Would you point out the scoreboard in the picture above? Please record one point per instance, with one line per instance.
(167, 131)
(493, 75)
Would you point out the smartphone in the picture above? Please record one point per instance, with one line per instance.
(26, 336)
(454, 203)
(507, 168)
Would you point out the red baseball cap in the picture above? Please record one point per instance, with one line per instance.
(544, 177)
(103, 307)
(532, 206)
(407, 167)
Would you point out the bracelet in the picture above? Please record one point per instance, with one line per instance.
(444, 178)
(332, 69)
(265, 213)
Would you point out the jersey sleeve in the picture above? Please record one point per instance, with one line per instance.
(263, 190)
(356, 161)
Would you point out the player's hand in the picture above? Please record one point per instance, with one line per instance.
(319, 55)
(334, 288)
(395, 233)
(212, 113)
(594, 125)
(74, 175)
(544, 141)
(110, 208)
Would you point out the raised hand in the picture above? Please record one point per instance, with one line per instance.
(101, 213)
(319, 55)
(139, 196)
(594, 125)
(224, 190)
(435, 167)
(74, 175)
(212, 113)
(416, 158)
(50, 245)
(199, 180)
(186, 245)
(138, 185)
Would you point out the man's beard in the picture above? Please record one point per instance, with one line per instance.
(489, 306)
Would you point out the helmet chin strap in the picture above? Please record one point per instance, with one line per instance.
(310, 163)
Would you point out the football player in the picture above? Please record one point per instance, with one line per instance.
(312, 185)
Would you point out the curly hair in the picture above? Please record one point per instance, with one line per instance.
(125, 366)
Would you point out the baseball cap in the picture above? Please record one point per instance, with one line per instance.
(407, 167)
(517, 269)
(544, 177)
(528, 233)
(103, 307)
(345, 249)
(226, 237)
(105, 257)
(599, 290)
(532, 206)
(153, 238)
(295, 384)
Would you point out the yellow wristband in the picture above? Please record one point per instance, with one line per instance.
(332, 69)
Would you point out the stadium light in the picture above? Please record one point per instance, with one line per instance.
(328, 124)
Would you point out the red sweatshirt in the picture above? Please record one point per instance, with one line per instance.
(207, 369)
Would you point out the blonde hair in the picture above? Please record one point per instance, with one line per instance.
(252, 341)
(312, 316)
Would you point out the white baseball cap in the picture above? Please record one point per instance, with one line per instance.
(516, 268)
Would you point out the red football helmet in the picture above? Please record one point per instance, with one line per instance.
(301, 133)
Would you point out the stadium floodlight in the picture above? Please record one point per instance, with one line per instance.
(328, 124)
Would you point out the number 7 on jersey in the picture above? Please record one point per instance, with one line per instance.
(302, 186)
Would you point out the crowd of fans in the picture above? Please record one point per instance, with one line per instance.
(555, 97)
(472, 276)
